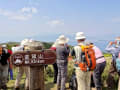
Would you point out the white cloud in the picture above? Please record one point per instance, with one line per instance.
(29, 10)
(54, 23)
(23, 14)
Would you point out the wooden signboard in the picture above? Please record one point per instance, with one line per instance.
(35, 61)
(36, 57)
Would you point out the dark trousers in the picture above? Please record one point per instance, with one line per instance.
(97, 74)
(55, 72)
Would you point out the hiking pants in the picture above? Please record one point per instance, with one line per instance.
(21, 71)
(83, 79)
(62, 75)
(3, 74)
(55, 72)
(97, 74)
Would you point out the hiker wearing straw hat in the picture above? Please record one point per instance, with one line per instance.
(23, 69)
(83, 78)
(114, 49)
(62, 52)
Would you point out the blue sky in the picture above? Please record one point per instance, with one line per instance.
(45, 20)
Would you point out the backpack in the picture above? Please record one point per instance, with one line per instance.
(0, 50)
(117, 62)
(4, 57)
(88, 59)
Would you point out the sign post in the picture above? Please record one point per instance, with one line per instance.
(35, 60)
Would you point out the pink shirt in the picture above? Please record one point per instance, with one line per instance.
(98, 54)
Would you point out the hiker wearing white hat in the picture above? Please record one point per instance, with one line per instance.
(62, 52)
(83, 78)
(23, 69)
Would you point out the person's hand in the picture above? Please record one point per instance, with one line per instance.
(111, 43)
(77, 62)
(70, 58)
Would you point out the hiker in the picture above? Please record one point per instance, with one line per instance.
(100, 66)
(10, 71)
(114, 50)
(53, 47)
(83, 77)
(62, 52)
(4, 67)
(22, 69)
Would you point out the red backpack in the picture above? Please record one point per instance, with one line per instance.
(88, 60)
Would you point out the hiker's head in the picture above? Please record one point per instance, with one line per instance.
(80, 37)
(117, 42)
(80, 40)
(62, 40)
(89, 43)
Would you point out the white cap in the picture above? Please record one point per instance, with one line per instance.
(4, 46)
(62, 39)
(80, 35)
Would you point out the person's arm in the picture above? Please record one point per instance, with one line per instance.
(109, 47)
(66, 49)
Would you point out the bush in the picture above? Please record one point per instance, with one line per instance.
(49, 72)
(70, 70)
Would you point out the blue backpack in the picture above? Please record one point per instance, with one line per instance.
(118, 64)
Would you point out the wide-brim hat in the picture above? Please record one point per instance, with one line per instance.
(24, 42)
(80, 35)
(62, 39)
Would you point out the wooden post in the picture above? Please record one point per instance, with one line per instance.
(36, 78)
(36, 73)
